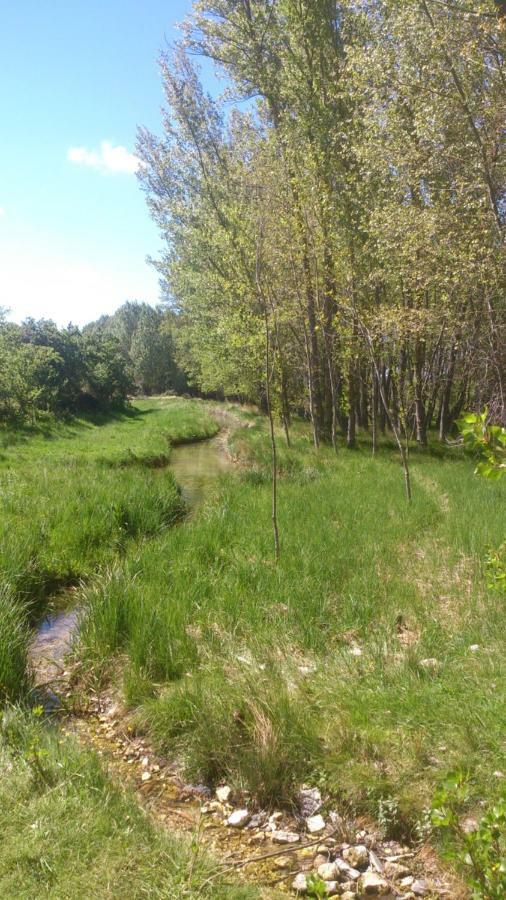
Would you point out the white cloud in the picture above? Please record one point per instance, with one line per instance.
(65, 289)
(109, 159)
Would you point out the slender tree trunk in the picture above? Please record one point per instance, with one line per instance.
(274, 458)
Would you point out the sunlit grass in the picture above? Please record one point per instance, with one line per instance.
(326, 651)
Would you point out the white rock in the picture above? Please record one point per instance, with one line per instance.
(349, 895)
(146, 776)
(406, 882)
(420, 888)
(299, 883)
(145, 762)
(223, 793)
(332, 888)
(239, 818)
(474, 648)
(357, 857)
(315, 824)
(328, 871)
(372, 885)
(429, 664)
(348, 871)
(275, 817)
(285, 837)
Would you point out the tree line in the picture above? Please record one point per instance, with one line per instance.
(58, 371)
(334, 224)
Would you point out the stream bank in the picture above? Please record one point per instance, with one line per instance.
(270, 848)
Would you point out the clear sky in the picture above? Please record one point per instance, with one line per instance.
(77, 77)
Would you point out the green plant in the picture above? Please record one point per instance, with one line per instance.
(479, 845)
(486, 439)
(316, 887)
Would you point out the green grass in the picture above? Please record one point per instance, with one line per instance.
(68, 832)
(14, 638)
(75, 496)
(242, 666)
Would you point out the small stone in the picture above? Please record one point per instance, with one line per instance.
(430, 664)
(357, 857)
(349, 895)
(239, 818)
(371, 884)
(310, 801)
(395, 870)
(321, 860)
(145, 762)
(283, 863)
(285, 837)
(332, 888)
(375, 861)
(259, 838)
(315, 824)
(276, 816)
(223, 793)
(406, 882)
(347, 871)
(328, 871)
(420, 888)
(498, 774)
(146, 776)
(299, 883)
(355, 650)
(474, 648)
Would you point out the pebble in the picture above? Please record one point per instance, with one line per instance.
(146, 776)
(348, 871)
(239, 818)
(357, 857)
(328, 871)
(223, 793)
(349, 895)
(310, 801)
(406, 882)
(420, 888)
(315, 824)
(299, 883)
(395, 870)
(429, 664)
(332, 888)
(372, 885)
(285, 837)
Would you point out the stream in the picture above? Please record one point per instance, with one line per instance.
(196, 468)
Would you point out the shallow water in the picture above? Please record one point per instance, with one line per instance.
(54, 634)
(197, 466)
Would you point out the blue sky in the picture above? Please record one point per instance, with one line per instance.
(78, 76)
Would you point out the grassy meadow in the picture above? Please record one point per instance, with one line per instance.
(369, 660)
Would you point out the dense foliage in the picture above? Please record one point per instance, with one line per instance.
(44, 369)
(145, 338)
(353, 210)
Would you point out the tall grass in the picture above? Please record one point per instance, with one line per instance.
(74, 497)
(13, 646)
(328, 650)
(68, 831)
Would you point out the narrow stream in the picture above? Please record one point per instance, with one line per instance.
(196, 468)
